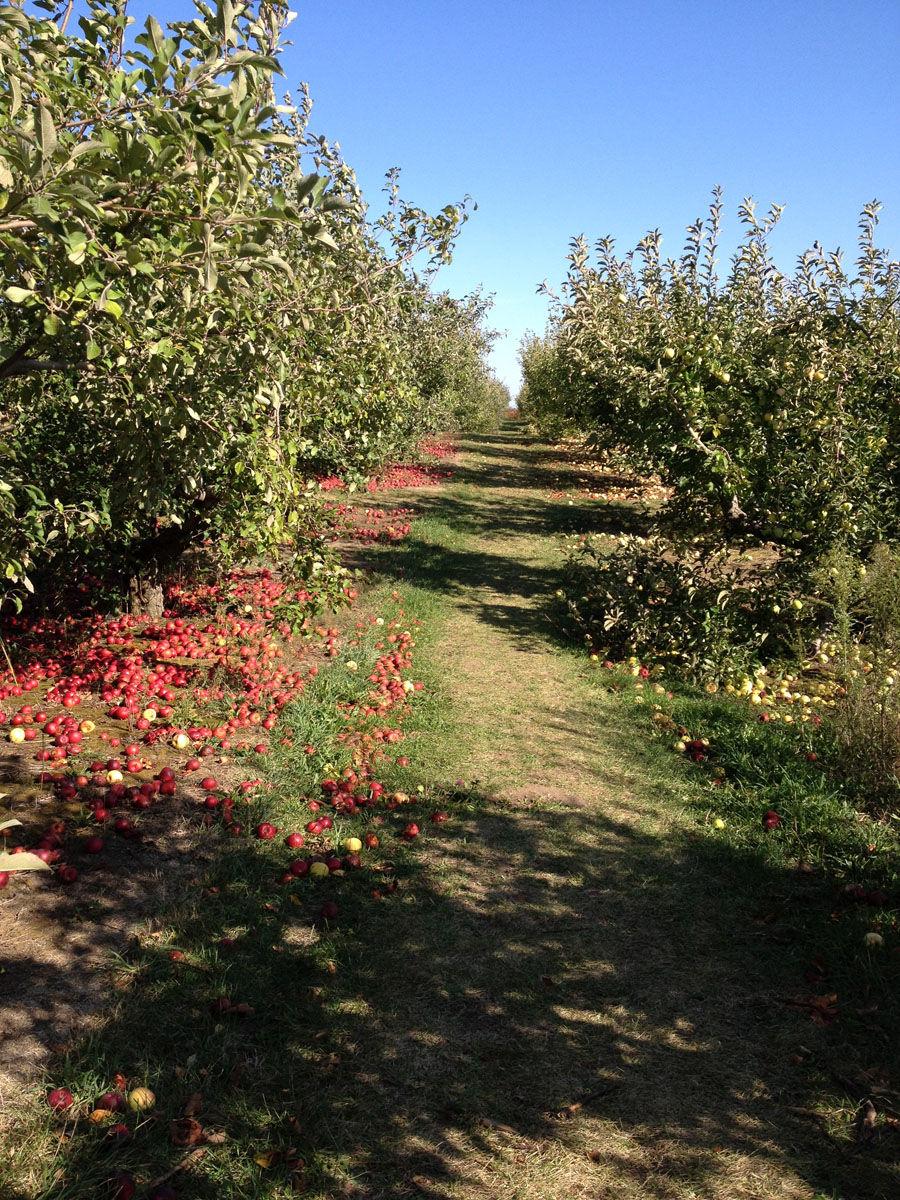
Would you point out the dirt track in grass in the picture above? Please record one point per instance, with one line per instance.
(568, 998)
(591, 1011)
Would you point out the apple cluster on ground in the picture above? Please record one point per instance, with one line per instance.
(104, 701)
(400, 476)
(123, 717)
(354, 821)
(371, 524)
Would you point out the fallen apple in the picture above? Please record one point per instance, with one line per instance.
(122, 1186)
(60, 1099)
(141, 1099)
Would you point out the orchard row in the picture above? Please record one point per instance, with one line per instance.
(199, 317)
(763, 409)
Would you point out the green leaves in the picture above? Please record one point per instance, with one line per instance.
(45, 130)
(763, 400)
(196, 311)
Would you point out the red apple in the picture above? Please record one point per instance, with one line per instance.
(60, 1099)
(266, 831)
(122, 1185)
(294, 841)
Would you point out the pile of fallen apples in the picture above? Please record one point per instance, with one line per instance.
(370, 524)
(406, 475)
(96, 697)
(138, 670)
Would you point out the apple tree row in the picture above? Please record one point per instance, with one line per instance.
(198, 315)
(768, 403)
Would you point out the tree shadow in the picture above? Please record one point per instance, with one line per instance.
(554, 1003)
(517, 461)
(501, 583)
(58, 941)
(557, 1004)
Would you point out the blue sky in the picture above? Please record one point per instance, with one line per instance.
(561, 118)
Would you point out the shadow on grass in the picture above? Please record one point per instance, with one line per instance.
(553, 1004)
(501, 583)
(520, 462)
(57, 941)
(551, 984)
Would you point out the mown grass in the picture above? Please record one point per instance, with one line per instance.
(580, 988)
(841, 868)
(256, 1071)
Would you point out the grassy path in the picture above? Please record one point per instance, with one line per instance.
(590, 1010)
(568, 998)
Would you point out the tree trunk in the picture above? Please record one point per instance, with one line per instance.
(145, 593)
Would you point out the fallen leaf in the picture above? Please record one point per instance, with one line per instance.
(187, 1161)
(570, 1110)
(265, 1158)
(822, 1009)
(185, 1131)
(193, 1105)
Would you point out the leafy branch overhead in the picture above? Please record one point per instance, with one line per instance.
(196, 313)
